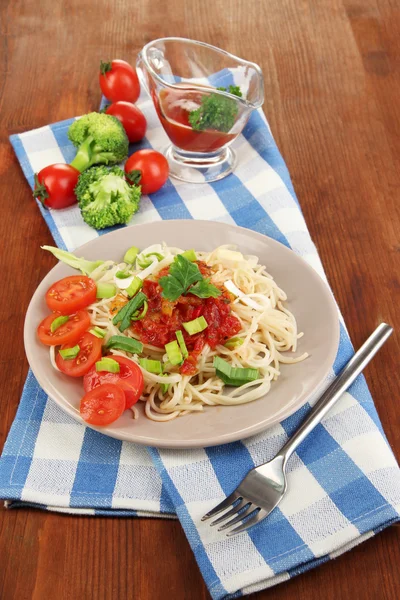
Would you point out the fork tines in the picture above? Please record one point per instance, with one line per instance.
(242, 510)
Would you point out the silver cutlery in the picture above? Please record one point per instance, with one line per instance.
(263, 488)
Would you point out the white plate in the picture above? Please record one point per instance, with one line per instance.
(309, 299)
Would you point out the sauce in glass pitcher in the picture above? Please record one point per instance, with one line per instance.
(173, 108)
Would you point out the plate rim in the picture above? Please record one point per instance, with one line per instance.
(225, 438)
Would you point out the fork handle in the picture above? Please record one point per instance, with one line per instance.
(346, 377)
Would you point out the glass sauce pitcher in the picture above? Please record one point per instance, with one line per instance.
(203, 97)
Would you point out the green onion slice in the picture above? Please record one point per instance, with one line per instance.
(190, 255)
(145, 260)
(173, 352)
(121, 342)
(139, 315)
(134, 287)
(70, 353)
(58, 321)
(106, 290)
(181, 342)
(131, 254)
(152, 366)
(234, 376)
(100, 333)
(122, 275)
(107, 364)
(233, 343)
(195, 326)
(123, 317)
(164, 386)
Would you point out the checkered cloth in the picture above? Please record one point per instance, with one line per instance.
(344, 483)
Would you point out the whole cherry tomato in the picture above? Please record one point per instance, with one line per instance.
(119, 81)
(148, 168)
(55, 184)
(132, 119)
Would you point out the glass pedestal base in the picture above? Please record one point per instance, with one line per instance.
(199, 168)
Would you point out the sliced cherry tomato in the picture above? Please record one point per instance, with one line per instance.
(129, 379)
(103, 405)
(119, 81)
(89, 353)
(132, 119)
(148, 168)
(68, 333)
(55, 185)
(71, 294)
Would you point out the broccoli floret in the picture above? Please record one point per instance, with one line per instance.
(100, 138)
(105, 197)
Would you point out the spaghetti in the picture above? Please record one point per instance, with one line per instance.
(268, 331)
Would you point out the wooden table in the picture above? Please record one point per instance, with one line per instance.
(332, 84)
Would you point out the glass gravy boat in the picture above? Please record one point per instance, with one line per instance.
(182, 77)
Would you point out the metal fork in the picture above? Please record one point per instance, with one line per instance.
(264, 487)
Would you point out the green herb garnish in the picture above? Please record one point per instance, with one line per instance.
(205, 289)
(182, 274)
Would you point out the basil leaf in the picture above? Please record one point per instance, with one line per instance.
(185, 271)
(205, 289)
(172, 288)
(182, 274)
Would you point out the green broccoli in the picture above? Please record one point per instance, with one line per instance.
(233, 89)
(105, 197)
(216, 111)
(100, 138)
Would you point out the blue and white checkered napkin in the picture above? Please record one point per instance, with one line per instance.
(344, 481)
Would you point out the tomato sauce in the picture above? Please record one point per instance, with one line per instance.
(164, 318)
(173, 107)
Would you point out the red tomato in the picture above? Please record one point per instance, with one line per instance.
(148, 168)
(118, 81)
(129, 379)
(70, 294)
(89, 353)
(55, 184)
(103, 405)
(65, 334)
(132, 119)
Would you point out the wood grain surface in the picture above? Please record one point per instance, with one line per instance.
(332, 84)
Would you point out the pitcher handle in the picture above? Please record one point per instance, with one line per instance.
(140, 69)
